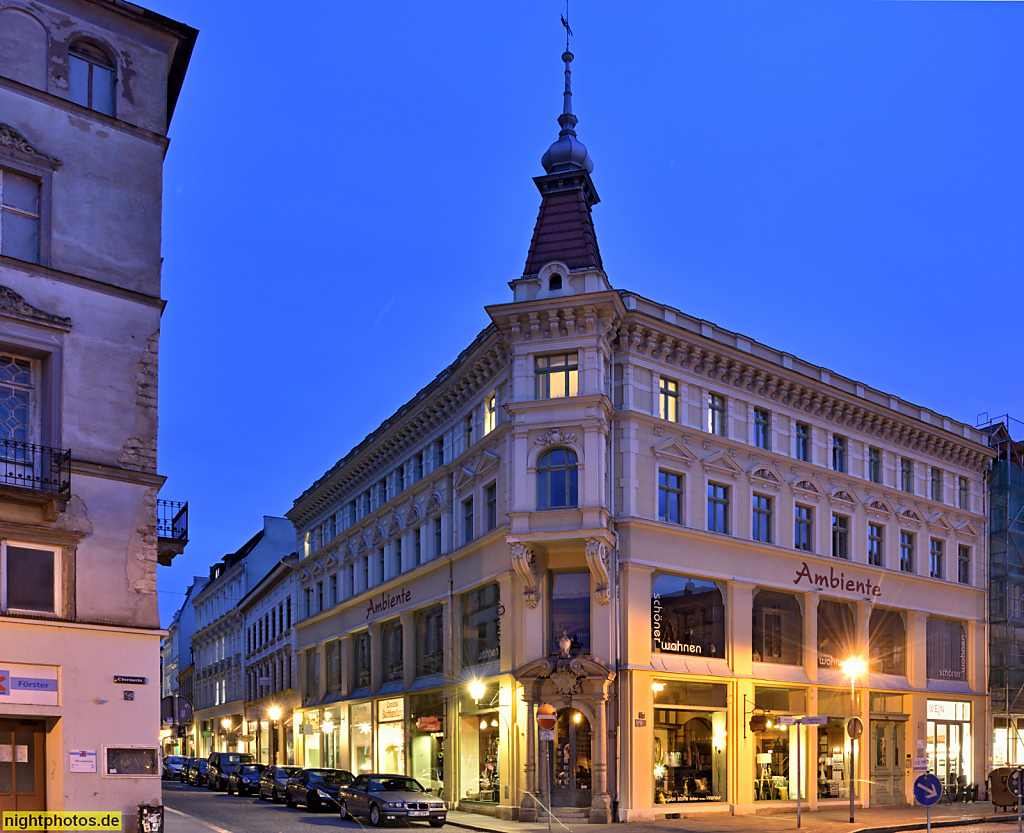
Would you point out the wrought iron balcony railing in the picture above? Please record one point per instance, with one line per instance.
(172, 520)
(36, 468)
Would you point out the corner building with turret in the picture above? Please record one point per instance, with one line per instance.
(674, 535)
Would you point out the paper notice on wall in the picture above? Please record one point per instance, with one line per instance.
(6, 751)
(21, 754)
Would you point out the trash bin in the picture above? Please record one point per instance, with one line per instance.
(151, 818)
(999, 793)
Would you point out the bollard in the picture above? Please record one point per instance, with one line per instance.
(151, 818)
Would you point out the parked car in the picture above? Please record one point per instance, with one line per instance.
(381, 797)
(172, 767)
(222, 764)
(246, 779)
(274, 781)
(316, 788)
(197, 773)
(185, 767)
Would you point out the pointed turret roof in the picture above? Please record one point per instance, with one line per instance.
(565, 229)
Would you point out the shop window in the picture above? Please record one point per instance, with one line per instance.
(429, 641)
(361, 660)
(391, 639)
(121, 760)
(481, 626)
(361, 737)
(834, 761)
(690, 750)
(333, 663)
(479, 767)
(391, 735)
(687, 617)
(427, 740)
(836, 633)
(570, 612)
(946, 650)
(777, 628)
(887, 642)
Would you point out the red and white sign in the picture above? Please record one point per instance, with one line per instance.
(546, 716)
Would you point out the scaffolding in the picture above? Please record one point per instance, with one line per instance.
(1006, 587)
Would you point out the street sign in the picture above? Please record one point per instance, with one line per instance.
(546, 716)
(927, 789)
(855, 727)
(816, 720)
(1015, 783)
(547, 734)
(787, 720)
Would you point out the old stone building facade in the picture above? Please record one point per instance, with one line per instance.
(670, 532)
(87, 89)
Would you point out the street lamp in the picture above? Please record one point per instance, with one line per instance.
(854, 666)
(274, 713)
(477, 689)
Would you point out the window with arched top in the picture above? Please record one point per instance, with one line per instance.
(557, 480)
(91, 77)
(555, 283)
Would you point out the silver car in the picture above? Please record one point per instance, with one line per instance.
(381, 797)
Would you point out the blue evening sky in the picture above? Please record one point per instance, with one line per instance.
(348, 184)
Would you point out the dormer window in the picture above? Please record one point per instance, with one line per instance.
(555, 283)
(91, 77)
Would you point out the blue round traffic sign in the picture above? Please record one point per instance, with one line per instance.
(927, 789)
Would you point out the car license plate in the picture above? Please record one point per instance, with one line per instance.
(419, 813)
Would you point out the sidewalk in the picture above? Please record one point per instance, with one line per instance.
(872, 820)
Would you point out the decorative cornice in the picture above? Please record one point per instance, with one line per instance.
(14, 141)
(13, 305)
(524, 563)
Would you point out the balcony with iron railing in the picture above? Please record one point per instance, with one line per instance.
(171, 530)
(35, 475)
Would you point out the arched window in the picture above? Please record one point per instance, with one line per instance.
(555, 283)
(557, 480)
(91, 77)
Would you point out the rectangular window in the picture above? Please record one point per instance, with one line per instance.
(670, 497)
(840, 537)
(417, 467)
(398, 557)
(29, 578)
(761, 525)
(381, 575)
(963, 564)
(361, 660)
(557, 376)
(716, 423)
(333, 597)
(570, 612)
(907, 475)
(391, 649)
(907, 552)
(803, 532)
(429, 641)
(437, 538)
(762, 429)
(382, 492)
(438, 452)
(366, 572)
(288, 610)
(935, 565)
(963, 493)
(308, 597)
(718, 508)
(312, 673)
(481, 630)
(319, 597)
(467, 520)
(19, 216)
(352, 579)
(936, 483)
(669, 400)
(467, 430)
(491, 499)
(332, 661)
(417, 547)
(802, 442)
(490, 413)
(875, 465)
(838, 453)
(876, 544)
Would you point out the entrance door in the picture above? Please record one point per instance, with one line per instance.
(886, 750)
(948, 750)
(570, 763)
(22, 765)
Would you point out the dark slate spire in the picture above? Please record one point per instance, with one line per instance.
(565, 229)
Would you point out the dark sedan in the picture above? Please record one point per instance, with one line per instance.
(172, 767)
(316, 788)
(197, 773)
(246, 779)
(274, 781)
(383, 798)
(185, 768)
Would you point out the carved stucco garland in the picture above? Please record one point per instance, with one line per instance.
(555, 436)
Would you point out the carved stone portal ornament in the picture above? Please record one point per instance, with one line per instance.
(523, 563)
(597, 560)
(555, 436)
(11, 138)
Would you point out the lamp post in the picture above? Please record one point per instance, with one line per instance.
(854, 666)
(274, 713)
